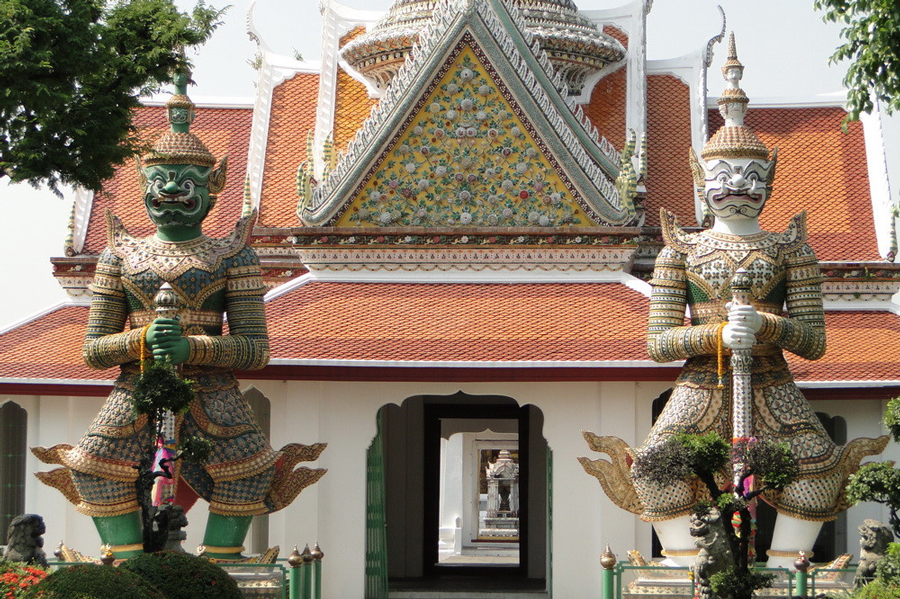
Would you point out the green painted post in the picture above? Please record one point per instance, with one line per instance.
(317, 555)
(296, 562)
(307, 577)
(801, 564)
(608, 561)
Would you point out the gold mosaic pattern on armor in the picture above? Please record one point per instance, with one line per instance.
(238, 469)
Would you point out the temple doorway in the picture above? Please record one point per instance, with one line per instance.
(465, 495)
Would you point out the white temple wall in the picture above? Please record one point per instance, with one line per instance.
(863, 420)
(54, 420)
(343, 414)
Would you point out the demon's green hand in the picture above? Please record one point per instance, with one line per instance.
(165, 340)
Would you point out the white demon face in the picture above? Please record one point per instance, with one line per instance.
(737, 188)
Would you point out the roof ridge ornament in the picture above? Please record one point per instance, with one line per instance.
(575, 45)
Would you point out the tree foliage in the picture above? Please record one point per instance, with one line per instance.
(878, 482)
(871, 36)
(71, 72)
(684, 455)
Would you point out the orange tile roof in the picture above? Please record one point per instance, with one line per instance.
(821, 170)
(225, 131)
(49, 348)
(669, 182)
(505, 323)
(293, 117)
(861, 346)
(616, 33)
(459, 322)
(352, 107)
(352, 101)
(606, 110)
(351, 35)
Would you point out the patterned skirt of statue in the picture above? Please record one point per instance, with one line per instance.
(100, 473)
(780, 413)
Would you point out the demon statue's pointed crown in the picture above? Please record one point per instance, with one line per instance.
(736, 173)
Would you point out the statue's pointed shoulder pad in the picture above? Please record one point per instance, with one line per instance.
(673, 235)
(116, 234)
(795, 234)
(238, 239)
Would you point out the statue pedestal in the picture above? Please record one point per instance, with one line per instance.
(499, 527)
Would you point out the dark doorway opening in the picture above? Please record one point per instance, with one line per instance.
(414, 438)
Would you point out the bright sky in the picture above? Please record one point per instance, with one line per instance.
(783, 44)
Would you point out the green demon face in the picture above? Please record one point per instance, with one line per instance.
(177, 195)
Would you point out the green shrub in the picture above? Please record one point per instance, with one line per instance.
(183, 576)
(733, 584)
(888, 569)
(91, 581)
(877, 590)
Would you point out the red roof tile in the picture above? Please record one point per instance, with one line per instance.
(352, 101)
(459, 322)
(669, 182)
(821, 170)
(352, 107)
(49, 348)
(225, 131)
(606, 110)
(504, 323)
(861, 346)
(618, 34)
(293, 117)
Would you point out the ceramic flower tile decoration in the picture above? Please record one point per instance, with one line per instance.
(468, 158)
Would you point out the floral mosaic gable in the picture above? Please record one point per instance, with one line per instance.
(468, 157)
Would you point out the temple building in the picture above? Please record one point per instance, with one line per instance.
(459, 212)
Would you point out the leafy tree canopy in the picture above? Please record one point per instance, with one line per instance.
(871, 36)
(71, 72)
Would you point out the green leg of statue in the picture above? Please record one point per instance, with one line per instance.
(123, 533)
(225, 535)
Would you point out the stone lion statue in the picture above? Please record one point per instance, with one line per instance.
(715, 551)
(175, 520)
(24, 540)
(874, 537)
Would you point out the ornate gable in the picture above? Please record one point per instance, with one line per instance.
(473, 131)
(467, 155)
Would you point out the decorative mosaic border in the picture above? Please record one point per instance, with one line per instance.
(585, 259)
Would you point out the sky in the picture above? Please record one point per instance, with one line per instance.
(783, 44)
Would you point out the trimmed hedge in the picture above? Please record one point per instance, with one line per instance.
(183, 576)
(92, 581)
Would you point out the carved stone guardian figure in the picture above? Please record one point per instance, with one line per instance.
(874, 538)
